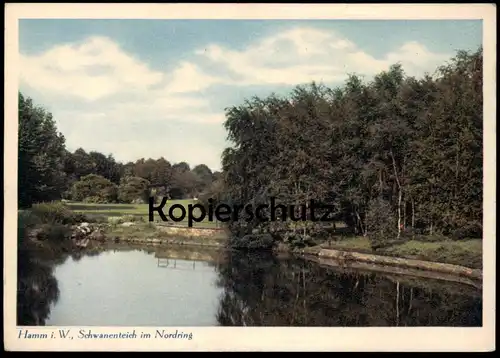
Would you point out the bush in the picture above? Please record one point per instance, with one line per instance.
(55, 213)
(467, 231)
(133, 189)
(27, 219)
(54, 232)
(253, 242)
(381, 223)
(94, 188)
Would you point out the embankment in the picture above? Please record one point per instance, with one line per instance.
(150, 233)
(154, 233)
(403, 265)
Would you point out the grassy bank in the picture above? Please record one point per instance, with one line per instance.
(148, 233)
(466, 253)
(141, 211)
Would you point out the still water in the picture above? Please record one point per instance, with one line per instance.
(200, 287)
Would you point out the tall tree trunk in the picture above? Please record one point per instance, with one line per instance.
(360, 222)
(413, 216)
(399, 212)
(405, 204)
(400, 192)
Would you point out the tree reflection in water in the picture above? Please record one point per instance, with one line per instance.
(37, 289)
(261, 290)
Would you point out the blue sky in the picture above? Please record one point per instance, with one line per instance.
(151, 88)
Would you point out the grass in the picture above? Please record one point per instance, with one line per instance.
(467, 253)
(464, 252)
(142, 210)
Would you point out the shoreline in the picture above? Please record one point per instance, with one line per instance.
(166, 235)
(422, 268)
(333, 257)
(140, 233)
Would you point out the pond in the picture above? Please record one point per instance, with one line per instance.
(159, 286)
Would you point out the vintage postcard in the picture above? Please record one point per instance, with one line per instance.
(249, 177)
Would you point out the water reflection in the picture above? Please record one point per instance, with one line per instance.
(37, 287)
(176, 286)
(264, 291)
(124, 286)
(37, 290)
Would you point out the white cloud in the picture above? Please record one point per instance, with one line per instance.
(303, 55)
(189, 78)
(417, 59)
(90, 70)
(109, 100)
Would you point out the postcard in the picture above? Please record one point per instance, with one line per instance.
(250, 177)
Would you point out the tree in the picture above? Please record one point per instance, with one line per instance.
(94, 189)
(133, 189)
(205, 176)
(411, 148)
(41, 155)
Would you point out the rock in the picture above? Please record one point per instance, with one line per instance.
(82, 243)
(98, 236)
(128, 224)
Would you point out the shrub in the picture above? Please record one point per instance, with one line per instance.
(54, 232)
(27, 219)
(133, 189)
(381, 223)
(94, 188)
(253, 242)
(55, 213)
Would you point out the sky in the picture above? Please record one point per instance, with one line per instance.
(158, 88)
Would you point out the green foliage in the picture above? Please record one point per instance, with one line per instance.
(56, 233)
(253, 242)
(132, 189)
(381, 223)
(40, 160)
(28, 219)
(52, 213)
(414, 143)
(94, 189)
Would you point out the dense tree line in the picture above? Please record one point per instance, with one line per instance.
(48, 171)
(394, 155)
